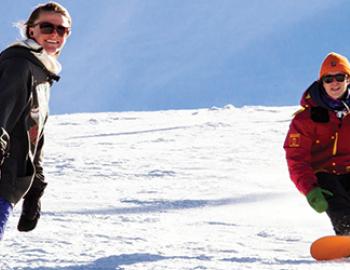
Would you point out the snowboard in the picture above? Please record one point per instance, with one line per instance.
(331, 247)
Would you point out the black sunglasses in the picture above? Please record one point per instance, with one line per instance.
(337, 77)
(49, 28)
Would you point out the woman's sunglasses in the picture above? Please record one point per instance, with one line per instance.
(49, 28)
(337, 77)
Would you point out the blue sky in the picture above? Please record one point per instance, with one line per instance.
(178, 54)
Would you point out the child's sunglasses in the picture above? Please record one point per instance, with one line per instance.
(337, 77)
(49, 28)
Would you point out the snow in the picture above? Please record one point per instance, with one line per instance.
(181, 189)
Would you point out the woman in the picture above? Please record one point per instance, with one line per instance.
(27, 70)
(318, 146)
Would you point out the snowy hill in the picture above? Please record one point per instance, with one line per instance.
(186, 189)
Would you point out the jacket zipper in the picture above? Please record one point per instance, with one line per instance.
(335, 146)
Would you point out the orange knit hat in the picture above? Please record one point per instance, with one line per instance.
(335, 62)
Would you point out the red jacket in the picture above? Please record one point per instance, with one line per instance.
(312, 146)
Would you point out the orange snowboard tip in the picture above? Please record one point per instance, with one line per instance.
(331, 247)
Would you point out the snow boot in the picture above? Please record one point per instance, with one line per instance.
(5, 212)
(31, 208)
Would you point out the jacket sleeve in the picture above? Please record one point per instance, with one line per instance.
(298, 145)
(39, 178)
(15, 80)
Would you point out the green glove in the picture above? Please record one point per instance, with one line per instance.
(317, 200)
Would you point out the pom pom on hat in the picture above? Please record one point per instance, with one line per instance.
(335, 62)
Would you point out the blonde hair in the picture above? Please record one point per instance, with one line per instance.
(48, 7)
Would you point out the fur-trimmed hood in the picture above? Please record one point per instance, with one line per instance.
(50, 62)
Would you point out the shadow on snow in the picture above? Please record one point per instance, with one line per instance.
(115, 262)
(167, 205)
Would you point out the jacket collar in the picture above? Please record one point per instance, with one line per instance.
(316, 96)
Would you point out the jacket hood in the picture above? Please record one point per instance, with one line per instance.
(316, 96)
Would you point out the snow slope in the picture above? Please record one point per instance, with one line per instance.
(183, 189)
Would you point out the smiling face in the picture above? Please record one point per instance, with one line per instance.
(52, 42)
(335, 89)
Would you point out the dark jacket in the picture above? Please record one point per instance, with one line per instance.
(24, 94)
(317, 141)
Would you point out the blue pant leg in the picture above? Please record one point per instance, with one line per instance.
(5, 212)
